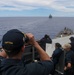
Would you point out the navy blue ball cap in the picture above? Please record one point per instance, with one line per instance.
(13, 40)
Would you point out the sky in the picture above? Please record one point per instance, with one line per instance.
(36, 8)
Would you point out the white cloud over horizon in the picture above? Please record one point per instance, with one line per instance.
(19, 5)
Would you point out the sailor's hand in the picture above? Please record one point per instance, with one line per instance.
(69, 65)
(32, 40)
(65, 68)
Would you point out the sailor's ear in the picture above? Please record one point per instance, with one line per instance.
(3, 53)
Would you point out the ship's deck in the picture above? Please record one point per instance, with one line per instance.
(62, 40)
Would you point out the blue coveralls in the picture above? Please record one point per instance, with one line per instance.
(69, 58)
(18, 67)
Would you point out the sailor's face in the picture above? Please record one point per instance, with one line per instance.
(67, 49)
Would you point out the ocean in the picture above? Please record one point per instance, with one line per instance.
(39, 26)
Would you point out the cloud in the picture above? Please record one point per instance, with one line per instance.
(19, 5)
(63, 5)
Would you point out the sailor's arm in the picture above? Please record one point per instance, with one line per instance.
(42, 53)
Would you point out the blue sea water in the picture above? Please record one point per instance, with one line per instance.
(39, 26)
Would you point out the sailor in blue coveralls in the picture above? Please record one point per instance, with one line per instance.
(44, 40)
(13, 42)
(69, 60)
(56, 55)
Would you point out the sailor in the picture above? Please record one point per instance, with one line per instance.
(56, 55)
(57, 52)
(69, 60)
(13, 42)
(44, 40)
(72, 43)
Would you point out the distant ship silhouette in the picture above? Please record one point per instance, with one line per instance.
(50, 16)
